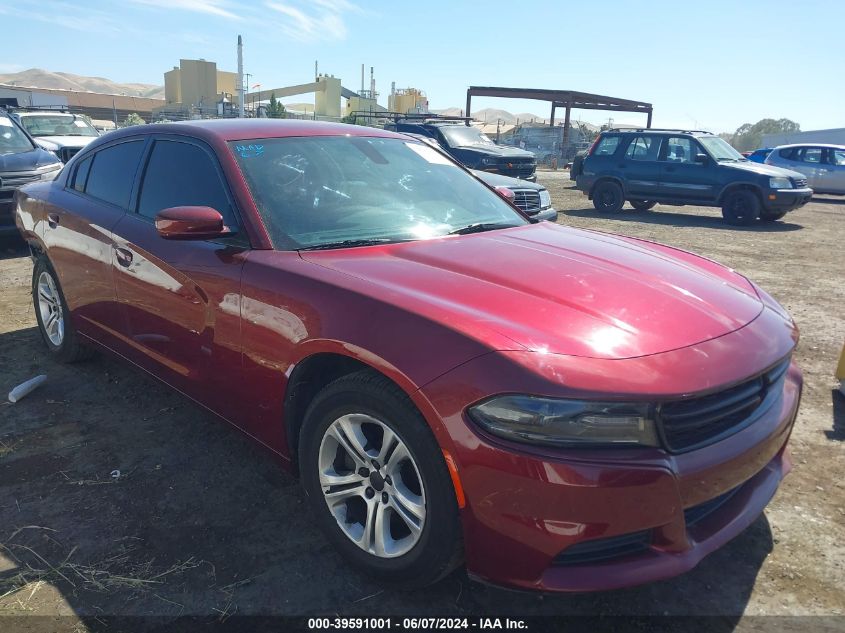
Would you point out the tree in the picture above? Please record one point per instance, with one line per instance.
(132, 119)
(748, 137)
(275, 110)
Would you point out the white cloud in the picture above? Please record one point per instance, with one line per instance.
(220, 8)
(317, 20)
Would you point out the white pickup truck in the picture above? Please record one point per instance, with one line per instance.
(62, 133)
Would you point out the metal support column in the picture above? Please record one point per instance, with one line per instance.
(648, 122)
(552, 116)
(469, 105)
(565, 148)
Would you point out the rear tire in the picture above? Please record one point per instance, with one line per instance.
(53, 316)
(771, 217)
(607, 197)
(741, 207)
(642, 205)
(377, 482)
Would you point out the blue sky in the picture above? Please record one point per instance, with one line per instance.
(711, 63)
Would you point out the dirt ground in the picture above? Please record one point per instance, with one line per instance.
(199, 521)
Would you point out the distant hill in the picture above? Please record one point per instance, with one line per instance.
(491, 115)
(38, 78)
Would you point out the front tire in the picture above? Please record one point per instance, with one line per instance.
(607, 197)
(741, 207)
(771, 217)
(376, 481)
(53, 316)
(642, 205)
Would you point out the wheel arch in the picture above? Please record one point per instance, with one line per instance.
(314, 371)
(737, 186)
(608, 178)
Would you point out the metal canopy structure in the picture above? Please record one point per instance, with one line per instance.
(568, 99)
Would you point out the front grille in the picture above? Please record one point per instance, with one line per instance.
(66, 153)
(13, 180)
(527, 199)
(698, 421)
(799, 183)
(698, 513)
(604, 548)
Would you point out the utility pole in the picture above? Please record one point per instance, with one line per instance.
(246, 89)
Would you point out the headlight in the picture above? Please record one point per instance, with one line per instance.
(545, 199)
(51, 173)
(780, 183)
(488, 160)
(556, 422)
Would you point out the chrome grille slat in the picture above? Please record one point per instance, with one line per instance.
(527, 199)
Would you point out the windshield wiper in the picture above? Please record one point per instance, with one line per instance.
(480, 227)
(372, 241)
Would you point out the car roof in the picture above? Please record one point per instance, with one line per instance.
(44, 113)
(251, 129)
(830, 145)
(662, 131)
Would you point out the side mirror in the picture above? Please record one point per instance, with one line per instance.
(506, 193)
(702, 159)
(190, 223)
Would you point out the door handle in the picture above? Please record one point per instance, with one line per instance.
(124, 256)
(670, 169)
(53, 220)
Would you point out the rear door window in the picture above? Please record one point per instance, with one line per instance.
(790, 153)
(607, 146)
(643, 148)
(837, 157)
(182, 174)
(113, 172)
(812, 155)
(80, 178)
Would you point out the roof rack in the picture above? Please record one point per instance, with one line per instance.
(656, 129)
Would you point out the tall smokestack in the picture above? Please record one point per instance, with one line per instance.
(240, 77)
(362, 77)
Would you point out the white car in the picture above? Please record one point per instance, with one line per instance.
(62, 133)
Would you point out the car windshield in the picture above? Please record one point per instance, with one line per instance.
(719, 148)
(464, 135)
(57, 125)
(339, 191)
(12, 139)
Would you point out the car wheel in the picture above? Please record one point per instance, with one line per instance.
(607, 197)
(642, 205)
(771, 217)
(377, 482)
(741, 207)
(53, 316)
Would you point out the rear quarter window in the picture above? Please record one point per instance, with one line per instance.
(607, 146)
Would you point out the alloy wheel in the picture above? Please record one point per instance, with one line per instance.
(371, 485)
(50, 308)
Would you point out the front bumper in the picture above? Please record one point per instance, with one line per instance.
(7, 218)
(527, 505)
(786, 199)
(549, 215)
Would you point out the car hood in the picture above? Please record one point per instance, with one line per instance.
(26, 161)
(497, 150)
(497, 180)
(55, 142)
(553, 289)
(763, 169)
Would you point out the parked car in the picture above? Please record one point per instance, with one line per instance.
(822, 165)
(758, 155)
(62, 133)
(535, 200)
(470, 147)
(21, 162)
(678, 167)
(577, 164)
(564, 410)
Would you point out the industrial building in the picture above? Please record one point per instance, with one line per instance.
(98, 106)
(834, 136)
(197, 88)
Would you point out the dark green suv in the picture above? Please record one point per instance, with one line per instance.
(680, 167)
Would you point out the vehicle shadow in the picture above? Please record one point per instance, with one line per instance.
(829, 200)
(12, 247)
(838, 430)
(667, 218)
(128, 500)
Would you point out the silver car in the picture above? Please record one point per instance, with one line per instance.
(822, 164)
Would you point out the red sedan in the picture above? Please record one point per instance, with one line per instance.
(559, 409)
